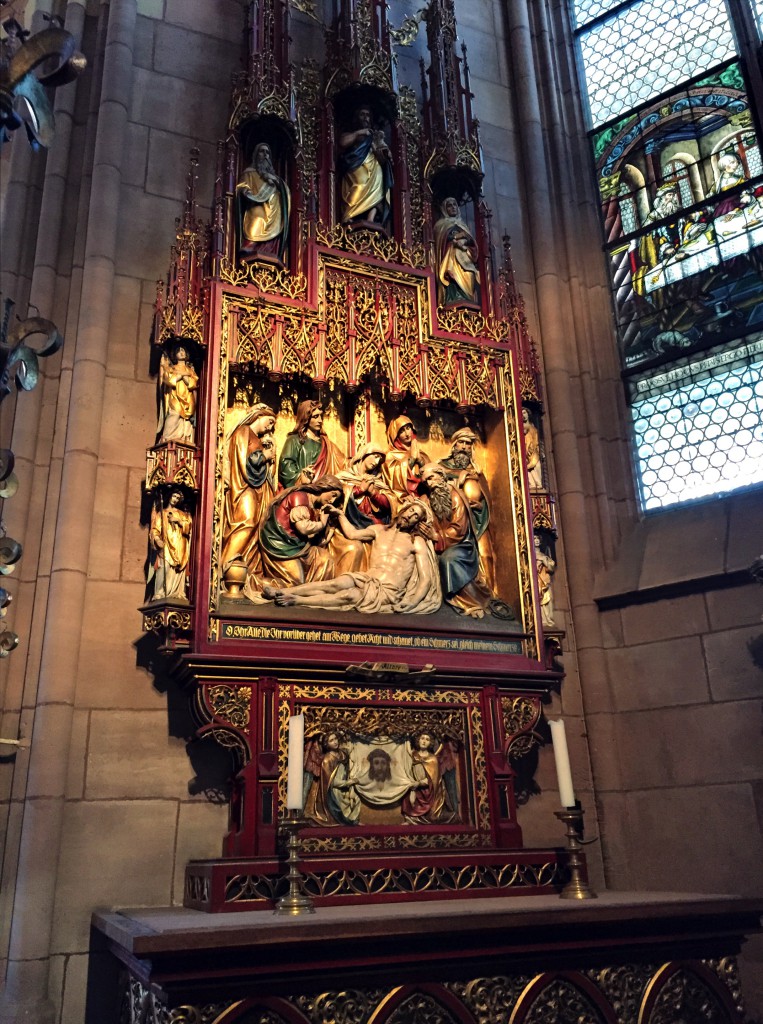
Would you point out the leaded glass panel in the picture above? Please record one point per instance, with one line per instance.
(698, 426)
(585, 11)
(649, 48)
(689, 274)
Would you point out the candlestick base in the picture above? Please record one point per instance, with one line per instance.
(577, 888)
(296, 901)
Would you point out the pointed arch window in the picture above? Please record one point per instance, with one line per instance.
(671, 88)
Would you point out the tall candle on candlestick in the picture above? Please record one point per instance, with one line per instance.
(294, 764)
(562, 759)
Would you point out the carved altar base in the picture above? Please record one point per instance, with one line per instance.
(655, 958)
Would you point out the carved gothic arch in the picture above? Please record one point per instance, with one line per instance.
(561, 989)
(683, 981)
(431, 997)
(261, 1011)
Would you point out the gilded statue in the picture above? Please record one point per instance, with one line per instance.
(307, 452)
(296, 535)
(404, 459)
(169, 548)
(402, 574)
(431, 802)
(456, 254)
(329, 801)
(177, 393)
(546, 567)
(251, 486)
(365, 171)
(368, 500)
(454, 534)
(532, 452)
(462, 470)
(263, 204)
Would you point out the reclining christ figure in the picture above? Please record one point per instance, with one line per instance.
(402, 571)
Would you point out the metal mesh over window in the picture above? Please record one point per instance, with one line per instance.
(698, 426)
(649, 48)
(585, 11)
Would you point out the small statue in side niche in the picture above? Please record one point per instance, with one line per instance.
(263, 205)
(365, 171)
(463, 583)
(432, 764)
(329, 799)
(169, 548)
(307, 452)
(404, 459)
(546, 567)
(467, 476)
(251, 486)
(458, 278)
(532, 451)
(402, 573)
(177, 393)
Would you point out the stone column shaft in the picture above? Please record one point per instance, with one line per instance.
(26, 990)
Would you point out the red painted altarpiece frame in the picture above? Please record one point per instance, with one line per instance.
(245, 672)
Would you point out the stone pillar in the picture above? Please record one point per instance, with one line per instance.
(564, 326)
(26, 994)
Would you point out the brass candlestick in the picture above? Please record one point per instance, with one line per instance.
(576, 888)
(295, 901)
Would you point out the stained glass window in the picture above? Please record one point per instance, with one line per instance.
(680, 179)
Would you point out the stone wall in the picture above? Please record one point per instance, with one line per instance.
(98, 807)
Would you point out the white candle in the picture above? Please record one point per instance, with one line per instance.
(295, 763)
(562, 758)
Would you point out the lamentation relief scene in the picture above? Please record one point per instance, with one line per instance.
(404, 521)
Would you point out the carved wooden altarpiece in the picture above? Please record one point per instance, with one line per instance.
(349, 269)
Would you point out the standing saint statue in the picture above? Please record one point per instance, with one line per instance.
(532, 451)
(462, 470)
(263, 204)
(365, 170)
(455, 539)
(307, 452)
(404, 458)
(178, 384)
(170, 548)
(251, 486)
(458, 278)
(546, 567)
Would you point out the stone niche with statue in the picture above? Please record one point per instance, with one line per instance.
(346, 498)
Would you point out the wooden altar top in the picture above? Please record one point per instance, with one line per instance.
(175, 949)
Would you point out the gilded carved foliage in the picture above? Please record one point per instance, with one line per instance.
(520, 717)
(489, 999)
(231, 704)
(421, 1008)
(351, 1006)
(686, 997)
(485, 1000)
(564, 1003)
(623, 986)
